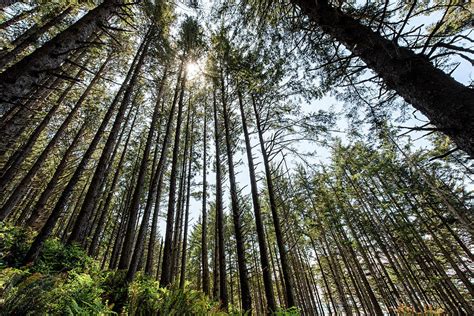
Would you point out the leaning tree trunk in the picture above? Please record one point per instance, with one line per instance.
(445, 102)
(78, 233)
(239, 238)
(18, 81)
(24, 42)
(290, 300)
(138, 189)
(81, 168)
(18, 18)
(262, 243)
(24, 184)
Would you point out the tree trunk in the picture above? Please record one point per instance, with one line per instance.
(30, 39)
(16, 195)
(224, 300)
(166, 272)
(262, 243)
(204, 250)
(244, 283)
(98, 180)
(68, 190)
(445, 102)
(18, 80)
(138, 189)
(93, 248)
(275, 216)
(18, 18)
(186, 216)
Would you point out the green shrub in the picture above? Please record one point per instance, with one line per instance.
(56, 257)
(146, 297)
(14, 243)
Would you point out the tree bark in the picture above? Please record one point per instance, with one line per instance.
(95, 188)
(30, 39)
(262, 243)
(224, 300)
(16, 195)
(166, 272)
(445, 102)
(243, 277)
(204, 250)
(139, 244)
(275, 216)
(18, 80)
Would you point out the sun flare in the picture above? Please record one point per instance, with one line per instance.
(193, 70)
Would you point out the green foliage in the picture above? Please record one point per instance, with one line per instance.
(292, 311)
(57, 257)
(146, 298)
(65, 281)
(14, 243)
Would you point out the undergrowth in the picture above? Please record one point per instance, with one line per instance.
(65, 281)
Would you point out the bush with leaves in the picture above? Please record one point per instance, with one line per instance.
(14, 243)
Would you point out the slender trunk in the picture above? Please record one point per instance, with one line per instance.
(204, 250)
(78, 233)
(139, 244)
(166, 272)
(39, 215)
(108, 201)
(186, 216)
(244, 285)
(262, 243)
(68, 190)
(18, 17)
(156, 185)
(224, 300)
(276, 218)
(446, 102)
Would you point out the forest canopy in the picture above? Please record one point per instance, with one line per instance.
(291, 157)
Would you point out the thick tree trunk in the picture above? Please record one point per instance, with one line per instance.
(29, 39)
(18, 80)
(16, 159)
(262, 243)
(243, 276)
(448, 104)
